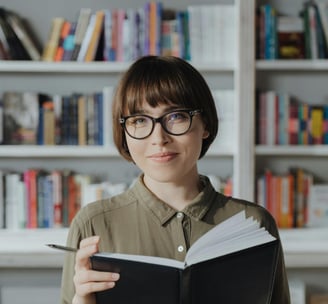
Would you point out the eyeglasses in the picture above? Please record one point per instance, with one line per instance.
(140, 126)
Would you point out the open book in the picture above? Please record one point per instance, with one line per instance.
(234, 262)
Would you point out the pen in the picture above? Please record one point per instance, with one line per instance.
(60, 247)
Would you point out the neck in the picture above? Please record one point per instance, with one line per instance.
(178, 195)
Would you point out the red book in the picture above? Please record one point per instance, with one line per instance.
(30, 176)
(293, 124)
(63, 34)
(57, 198)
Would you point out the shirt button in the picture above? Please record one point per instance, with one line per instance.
(179, 215)
(180, 248)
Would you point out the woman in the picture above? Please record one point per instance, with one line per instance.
(164, 120)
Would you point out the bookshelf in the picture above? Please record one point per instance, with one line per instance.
(26, 258)
(243, 160)
(305, 248)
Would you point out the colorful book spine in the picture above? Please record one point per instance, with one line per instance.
(317, 125)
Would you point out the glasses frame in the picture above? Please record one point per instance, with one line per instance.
(154, 120)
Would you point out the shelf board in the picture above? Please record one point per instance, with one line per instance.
(25, 151)
(29, 151)
(94, 67)
(62, 67)
(297, 150)
(26, 248)
(292, 65)
(305, 248)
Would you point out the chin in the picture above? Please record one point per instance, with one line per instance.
(163, 177)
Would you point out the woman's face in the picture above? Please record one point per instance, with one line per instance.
(167, 158)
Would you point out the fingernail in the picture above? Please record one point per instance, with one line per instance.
(115, 276)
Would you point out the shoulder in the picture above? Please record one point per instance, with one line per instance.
(105, 207)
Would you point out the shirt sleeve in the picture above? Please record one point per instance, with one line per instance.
(280, 293)
(67, 285)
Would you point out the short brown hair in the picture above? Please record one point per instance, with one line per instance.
(157, 80)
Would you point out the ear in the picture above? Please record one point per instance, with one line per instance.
(206, 134)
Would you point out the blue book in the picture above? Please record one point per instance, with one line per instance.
(325, 124)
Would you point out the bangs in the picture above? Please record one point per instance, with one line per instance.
(155, 88)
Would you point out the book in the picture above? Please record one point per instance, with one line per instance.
(95, 37)
(65, 29)
(49, 122)
(22, 32)
(10, 41)
(53, 39)
(20, 117)
(290, 34)
(81, 27)
(318, 206)
(223, 266)
(317, 120)
(4, 46)
(14, 208)
(83, 48)
(68, 44)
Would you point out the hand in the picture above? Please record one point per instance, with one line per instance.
(86, 280)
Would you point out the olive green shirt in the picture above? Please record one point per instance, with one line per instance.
(137, 222)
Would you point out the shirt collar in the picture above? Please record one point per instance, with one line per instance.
(196, 209)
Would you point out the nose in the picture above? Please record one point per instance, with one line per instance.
(159, 136)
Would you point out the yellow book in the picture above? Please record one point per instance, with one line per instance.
(95, 37)
(317, 125)
(54, 36)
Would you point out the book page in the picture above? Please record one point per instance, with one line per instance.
(234, 234)
(143, 259)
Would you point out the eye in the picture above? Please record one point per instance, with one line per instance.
(138, 121)
(177, 117)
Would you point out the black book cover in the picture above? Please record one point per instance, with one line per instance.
(234, 262)
(16, 49)
(245, 276)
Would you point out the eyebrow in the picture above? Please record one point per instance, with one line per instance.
(166, 110)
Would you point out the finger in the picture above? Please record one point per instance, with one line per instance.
(83, 257)
(85, 276)
(82, 260)
(90, 281)
(91, 287)
(93, 240)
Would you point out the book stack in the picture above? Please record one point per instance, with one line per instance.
(17, 41)
(38, 198)
(282, 119)
(31, 118)
(281, 36)
(203, 33)
(286, 196)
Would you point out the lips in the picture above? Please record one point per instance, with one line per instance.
(163, 156)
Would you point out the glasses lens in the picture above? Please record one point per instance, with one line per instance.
(177, 122)
(139, 126)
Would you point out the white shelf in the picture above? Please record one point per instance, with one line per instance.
(62, 67)
(313, 150)
(27, 249)
(303, 248)
(93, 67)
(24, 151)
(292, 65)
(306, 247)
